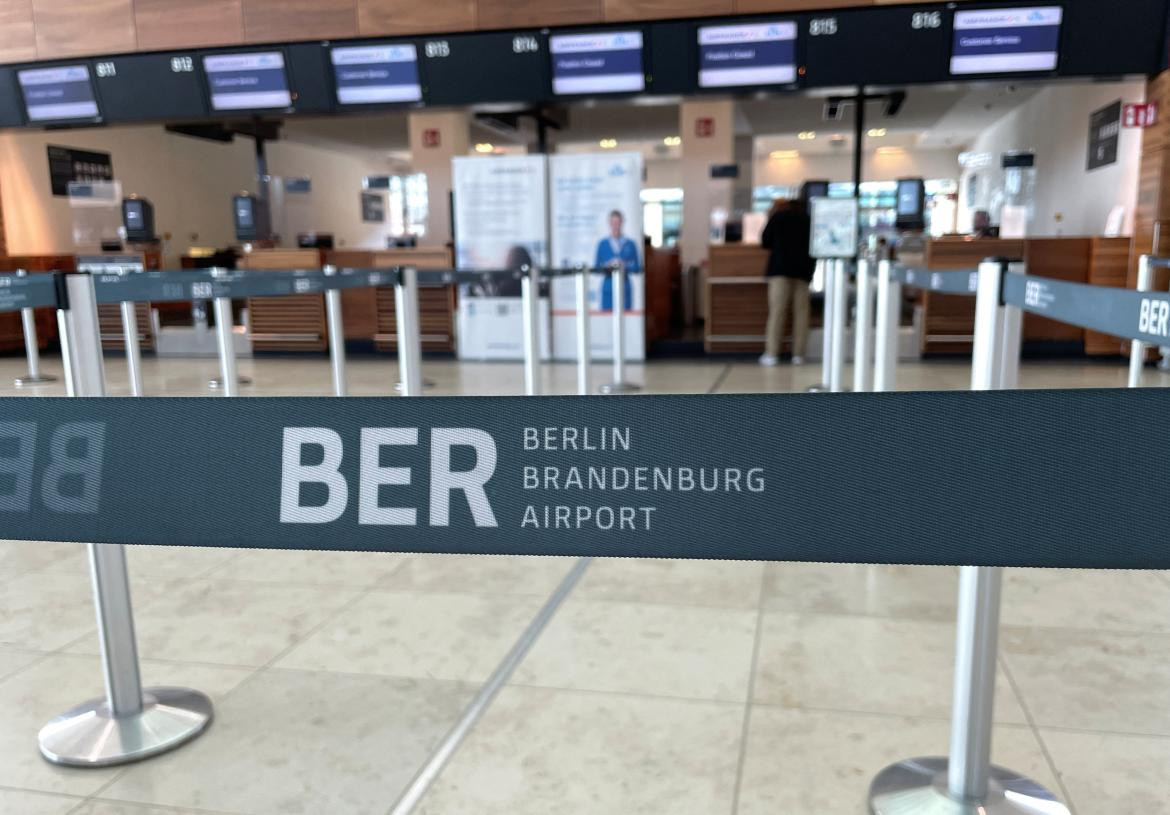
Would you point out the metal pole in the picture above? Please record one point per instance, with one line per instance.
(581, 281)
(889, 314)
(530, 306)
(863, 333)
(837, 326)
(967, 782)
(828, 279)
(128, 723)
(336, 334)
(225, 343)
(32, 347)
(409, 345)
(1137, 348)
(1011, 338)
(133, 354)
(619, 384)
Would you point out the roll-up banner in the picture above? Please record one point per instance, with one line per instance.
(597, 222)
(501, 222)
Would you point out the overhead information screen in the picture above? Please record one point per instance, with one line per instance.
(149, 87)
(255, 81)
(376, 74)
(466, 69)
(601, 62)
(743, 55)
(882, 45)
(59, 94)
(1006, 40)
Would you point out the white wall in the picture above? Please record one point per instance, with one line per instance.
(1054, 124)
(189, 181)
(839, 167)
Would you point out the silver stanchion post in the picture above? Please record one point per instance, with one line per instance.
(837, 326)
(133, 353)
(863, 332)
(619, 383)
(826, 267)
(968, 783)
(130, 722)
(336, 331)
(32, 347)
(225, 344)
(889, 315)
(409, 344)
(530, 305)
(1011, 338)
(1137, 348)
(581, 280)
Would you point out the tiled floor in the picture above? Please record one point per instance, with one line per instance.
(659, 686)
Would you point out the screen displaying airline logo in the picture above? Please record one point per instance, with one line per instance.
(746, 55)
(1006, 41)
(247, 81)
(376, 74)
(602, 62)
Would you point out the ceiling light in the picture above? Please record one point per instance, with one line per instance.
(876, 132)
(890, 151)
(806, 135)
(608, 144)
(483, 147)
(672, 141)
(784, 155)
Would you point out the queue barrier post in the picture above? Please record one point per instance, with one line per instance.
(229, 379)
(889, 315)
(967, 782)
(130, 341)
(863, 331)
(619, 383)
(409, 344)
(128, 723)
(836, 325)
(32, 348)
(1137, 348)
(530, 306)
(581, 281)
(828, 282)
(336, 330)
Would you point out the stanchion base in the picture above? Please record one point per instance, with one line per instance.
(427, 383)
(817, 389)
(90, 736)
(25, 381)
(918, 786)
(618, 387)
(215, 383)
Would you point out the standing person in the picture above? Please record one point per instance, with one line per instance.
(615, 249)
(790, 269)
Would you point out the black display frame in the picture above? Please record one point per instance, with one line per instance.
(647, 61)
(81, 121)
(346, 109)
(800, 20)
(235, 113)
(1061, 46)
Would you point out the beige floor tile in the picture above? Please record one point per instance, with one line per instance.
(35, 695)
(230, 623)
(1092, 680)
(684, 651)
(20, 557)
(15, 659)
(423, 635)
(914, 592)
(816, 762)
(99, 807)
(304, 743)
(1112, 774)
(864, 664)
(153, 562)
(1076, 598)
(540, 751)
(480, 574)
(723, 583)
(313, 568)
(19, 802)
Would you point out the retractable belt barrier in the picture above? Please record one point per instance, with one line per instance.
(951, 281)
(19, 291)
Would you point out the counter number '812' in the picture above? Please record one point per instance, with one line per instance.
(182, 65)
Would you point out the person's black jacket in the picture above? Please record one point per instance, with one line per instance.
(786, 237)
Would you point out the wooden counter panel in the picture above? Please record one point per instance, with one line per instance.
(737, 260)
(1108, 266)
(1060, 259)
(292, 323)
(436, 309)
(110, 327)
(960, 253)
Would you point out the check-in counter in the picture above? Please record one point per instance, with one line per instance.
(949, 320)
(369, 314)
(292, 323)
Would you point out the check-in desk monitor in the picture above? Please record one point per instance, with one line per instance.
(61, 94)
(376, 74)
(138, 219)
(597, 63)
(250, 214)
(248, 81)
(1006, 40)
(910, 210)
(747, 55)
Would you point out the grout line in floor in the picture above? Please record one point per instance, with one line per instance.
(741, 759)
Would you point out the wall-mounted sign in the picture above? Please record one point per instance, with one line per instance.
(704, 127)
(431, 137)
(834, 227)
(1139, 115)
(373, 208)
(1104, 131)
(300, 185)
(725, 171)
(67, 165)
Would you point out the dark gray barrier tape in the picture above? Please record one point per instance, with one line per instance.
(449, 276)
(1124, 313)
(204, 285)
(30, 291)
(1019, 478)
(956, 281)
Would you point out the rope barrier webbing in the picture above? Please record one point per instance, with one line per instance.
(1133, 315)
(1008, 478)
(31, 291)
(946, 281)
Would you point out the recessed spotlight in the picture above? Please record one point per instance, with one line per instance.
(890, 151)
(806, 135)
(784, 155)
(672, 141)
(876, 132)
(483, 147)
(607, 144)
